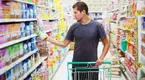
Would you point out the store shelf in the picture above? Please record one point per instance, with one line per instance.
(25, 2)
(129, 54)
(126, 29)
(142, 15)
(125, 72)
(51, 30)
(50, 78)
(6, 68)
(16, 41)
(131, 43)
(15, 20)
(50, 19)
(117, 9)
(143, 44)
(33, 68)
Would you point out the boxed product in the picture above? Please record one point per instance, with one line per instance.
(8, 9)
(10, 31)
(2, 60)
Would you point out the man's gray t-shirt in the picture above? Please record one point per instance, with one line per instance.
(86, 38)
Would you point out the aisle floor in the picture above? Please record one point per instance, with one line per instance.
(62, 73)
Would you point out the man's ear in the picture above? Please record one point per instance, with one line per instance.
(83, 11)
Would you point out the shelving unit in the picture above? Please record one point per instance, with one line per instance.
(33, 68)
(51, 77)
(128, 24)
(16, 41)
(58, 32)
(15, 20)
(6, 68)
(25, 2)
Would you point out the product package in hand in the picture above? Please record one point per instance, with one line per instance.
(42, 35)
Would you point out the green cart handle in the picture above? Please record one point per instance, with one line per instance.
(105, 62)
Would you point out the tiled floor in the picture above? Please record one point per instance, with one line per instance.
(62, 73)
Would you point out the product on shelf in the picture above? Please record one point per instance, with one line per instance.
(143, 23)
(131, 68)
(143, 38)
(3, 34)
(143, 50)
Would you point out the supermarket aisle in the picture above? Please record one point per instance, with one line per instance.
(62, 71)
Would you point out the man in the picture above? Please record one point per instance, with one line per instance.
(87, 34)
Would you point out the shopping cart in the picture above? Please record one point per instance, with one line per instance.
(88, 71)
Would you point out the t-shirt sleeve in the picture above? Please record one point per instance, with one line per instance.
(101, 32)
(70, 35)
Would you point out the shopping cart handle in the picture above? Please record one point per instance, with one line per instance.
(105, 62)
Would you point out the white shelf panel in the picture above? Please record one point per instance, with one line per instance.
(51, 30)
(143, 32)
(33, 68)
(25, 2)
(50, 19)
(129, 54)
(16, 41)
(15, 20)
(6, 68)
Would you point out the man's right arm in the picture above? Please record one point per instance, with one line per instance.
(63, 43)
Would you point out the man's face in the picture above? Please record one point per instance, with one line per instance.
(77, 14)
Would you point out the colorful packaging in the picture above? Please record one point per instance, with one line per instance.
(31, 25)
(23, 8)
(27, 29)
(2, 59)
(0, 9)
(22, 25)
(14, 55)
(8, 56)
(21, 49)
(8, 75)
(42, 35)
(3, 31)
(124, 45)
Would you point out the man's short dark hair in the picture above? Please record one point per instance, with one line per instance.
(81, 6)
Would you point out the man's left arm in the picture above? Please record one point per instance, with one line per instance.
(105, 42)
(104, 52)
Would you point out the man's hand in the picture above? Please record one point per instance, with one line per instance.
(99, 62)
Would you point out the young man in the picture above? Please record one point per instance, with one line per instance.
(87, 34)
